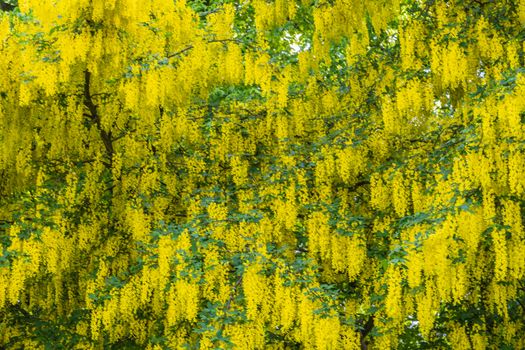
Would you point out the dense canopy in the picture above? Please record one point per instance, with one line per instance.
(315, 174)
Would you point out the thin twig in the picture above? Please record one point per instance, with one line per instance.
(232, 295)
(209, 12)
(191, 46)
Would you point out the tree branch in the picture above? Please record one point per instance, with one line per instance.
(6, 6)
(106, 136)
(369, 325)
(228, 303)
(191, 46)
(209, 12)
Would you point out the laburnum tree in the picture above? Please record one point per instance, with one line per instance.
(328, 174)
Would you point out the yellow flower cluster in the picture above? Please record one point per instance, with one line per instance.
(172, 179)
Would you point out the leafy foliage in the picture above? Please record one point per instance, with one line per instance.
(262, 174)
